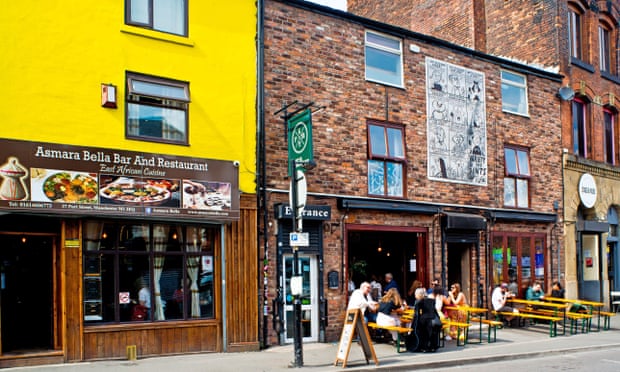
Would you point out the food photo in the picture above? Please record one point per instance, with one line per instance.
(62, 186)
(137, 191)
(206, 195)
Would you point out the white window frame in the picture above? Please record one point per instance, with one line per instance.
(575, 34)
(604, 40)
(376, 74)
(520, 105)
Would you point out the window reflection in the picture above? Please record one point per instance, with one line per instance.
(166, 269)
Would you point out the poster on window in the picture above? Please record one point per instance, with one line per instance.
(456, 123)
(57, 178)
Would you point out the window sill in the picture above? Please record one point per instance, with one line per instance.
(579, 63)
(608, 76)
(157, 35)
(523, 114)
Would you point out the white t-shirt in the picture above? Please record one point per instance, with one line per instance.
(359, 301)
(145, 296)
(497, 298)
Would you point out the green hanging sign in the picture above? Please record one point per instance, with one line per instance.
(300, 141)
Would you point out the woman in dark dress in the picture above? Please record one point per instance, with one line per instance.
(425, 337)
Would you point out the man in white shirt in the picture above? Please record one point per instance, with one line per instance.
(498, 299)
(360, 299)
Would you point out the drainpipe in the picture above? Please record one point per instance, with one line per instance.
(261, 195)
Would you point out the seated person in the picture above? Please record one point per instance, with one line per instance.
(425, 336)
(556, 290)
(457, 298)
(360, 299)
(390, 306)
(411, 292)
(535, 292)
(498, 299)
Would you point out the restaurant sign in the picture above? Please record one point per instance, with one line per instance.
(56, 178)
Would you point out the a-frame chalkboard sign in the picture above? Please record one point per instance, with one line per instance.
(354, 324)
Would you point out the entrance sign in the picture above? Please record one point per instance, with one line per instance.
(354, 324)
(587, 190)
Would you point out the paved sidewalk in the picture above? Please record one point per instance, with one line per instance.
(512, 343)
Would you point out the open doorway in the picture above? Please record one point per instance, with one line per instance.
(373, 252)
(459, 267)
(26, 293)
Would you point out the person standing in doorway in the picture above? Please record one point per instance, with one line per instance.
(390, 283)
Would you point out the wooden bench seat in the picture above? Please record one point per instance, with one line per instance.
(399, 331)
(553, 320)
(575, 319)
(492, 326)
(460, 326)
(606, 319)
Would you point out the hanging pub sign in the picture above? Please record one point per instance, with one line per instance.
(57, 178)
(300, 141)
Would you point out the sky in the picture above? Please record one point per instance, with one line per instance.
(337, 4)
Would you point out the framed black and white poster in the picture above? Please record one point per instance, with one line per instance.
(456, 123)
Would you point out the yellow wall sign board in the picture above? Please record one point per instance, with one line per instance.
(354, 324)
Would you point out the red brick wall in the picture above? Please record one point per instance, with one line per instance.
(317, 58)
(452, 20)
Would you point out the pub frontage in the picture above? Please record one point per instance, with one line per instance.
(109, 253)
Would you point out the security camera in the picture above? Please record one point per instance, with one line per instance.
(236, 163)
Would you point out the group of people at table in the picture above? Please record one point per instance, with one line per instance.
(429, 306)
(503, 293)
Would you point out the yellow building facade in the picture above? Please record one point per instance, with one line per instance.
(128, 156)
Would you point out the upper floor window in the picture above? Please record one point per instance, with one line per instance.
(514, 93)
(386, 160)
(517, 177)
(384, 62)
(575, 36)
(157, 109)
(161, 15)
(610, 135)
(579, 111)
(604, 39)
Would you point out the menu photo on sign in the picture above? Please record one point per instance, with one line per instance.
(48, 177)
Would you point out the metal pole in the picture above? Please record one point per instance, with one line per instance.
(299, 360)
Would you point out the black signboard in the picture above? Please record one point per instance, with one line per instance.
(56, 178)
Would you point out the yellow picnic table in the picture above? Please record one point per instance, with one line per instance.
(591, 305)
(473, 313)
(553, 306)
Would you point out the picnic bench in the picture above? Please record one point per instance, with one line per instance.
(474, 315)
(590, 305)
(460, 326)
(492, 326)
(553, 320)
(399, 331)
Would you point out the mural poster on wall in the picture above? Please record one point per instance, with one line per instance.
(456, 123)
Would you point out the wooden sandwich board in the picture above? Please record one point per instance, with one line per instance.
(354, 324)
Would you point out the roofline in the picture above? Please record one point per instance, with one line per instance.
(402, 32)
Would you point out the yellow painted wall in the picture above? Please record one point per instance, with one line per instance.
(54, 55)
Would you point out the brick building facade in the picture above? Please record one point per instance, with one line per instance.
(437, 203)
(579, 39)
